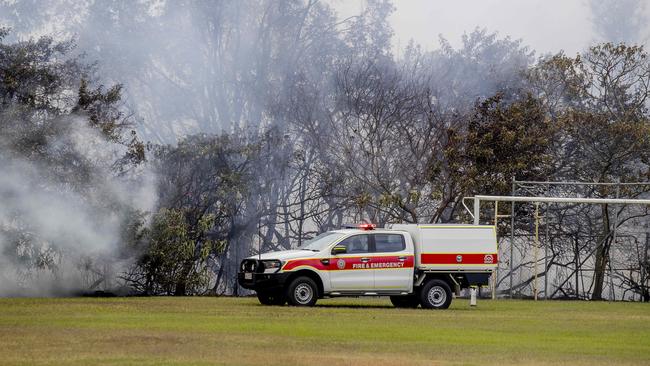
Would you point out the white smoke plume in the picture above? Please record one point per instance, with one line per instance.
(61, 232)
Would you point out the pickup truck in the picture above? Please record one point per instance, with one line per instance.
(415, 265)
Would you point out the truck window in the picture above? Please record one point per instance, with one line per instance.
(355, 244)
(322, 241)
(389, 242)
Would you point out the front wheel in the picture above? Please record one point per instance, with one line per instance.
(271, 298)
(436, 294)
(302, 291)
(409, 301)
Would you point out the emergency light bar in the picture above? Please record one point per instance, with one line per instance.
(365, 226)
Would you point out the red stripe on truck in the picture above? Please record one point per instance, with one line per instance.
(378, 262)
(353, 263)
(458, 258)
(312, 262)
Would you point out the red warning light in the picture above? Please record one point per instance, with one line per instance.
(366, 226)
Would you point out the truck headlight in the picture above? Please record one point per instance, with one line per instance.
(272, 266)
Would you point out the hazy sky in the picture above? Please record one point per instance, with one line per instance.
(545, 25)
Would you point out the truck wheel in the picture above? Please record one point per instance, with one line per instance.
(435, 294)
(409, 301)
(302, 291)
(274, 298)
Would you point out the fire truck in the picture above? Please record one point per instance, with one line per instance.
(415, 265)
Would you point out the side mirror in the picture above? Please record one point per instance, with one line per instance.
(339, 249)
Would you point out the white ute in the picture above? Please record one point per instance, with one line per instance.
(413, 264)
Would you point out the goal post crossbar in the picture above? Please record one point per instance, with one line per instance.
(623, 201)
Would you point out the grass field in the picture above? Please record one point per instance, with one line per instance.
(232, 331)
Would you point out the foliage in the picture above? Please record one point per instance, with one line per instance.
(203, 185)
(505, 142)
(62, 143)
(174, 260)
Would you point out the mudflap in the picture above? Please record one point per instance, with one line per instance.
(478, 279)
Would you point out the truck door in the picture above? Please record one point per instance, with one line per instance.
(393, 262)
(350, 271)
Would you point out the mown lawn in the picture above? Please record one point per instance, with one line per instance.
(232, 331)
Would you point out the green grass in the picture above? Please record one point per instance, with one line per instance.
(228, 331)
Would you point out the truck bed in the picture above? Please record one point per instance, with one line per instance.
(464, 248)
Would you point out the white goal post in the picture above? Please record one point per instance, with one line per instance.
(532, 199)
(623, 201)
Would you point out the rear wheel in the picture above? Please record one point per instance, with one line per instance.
(271, 298)
(409, 301)
(436, 294)
(302, 291)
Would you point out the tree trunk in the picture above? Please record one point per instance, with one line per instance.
(180, 288)
(602, 257)
(181, 285)
(215, 289)
(576, 249)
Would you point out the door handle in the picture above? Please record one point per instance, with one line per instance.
(402, 258)
(365, 259)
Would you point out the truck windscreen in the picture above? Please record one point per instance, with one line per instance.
(321, 241)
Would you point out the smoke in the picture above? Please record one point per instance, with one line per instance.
(238, 67)
(61, 227)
